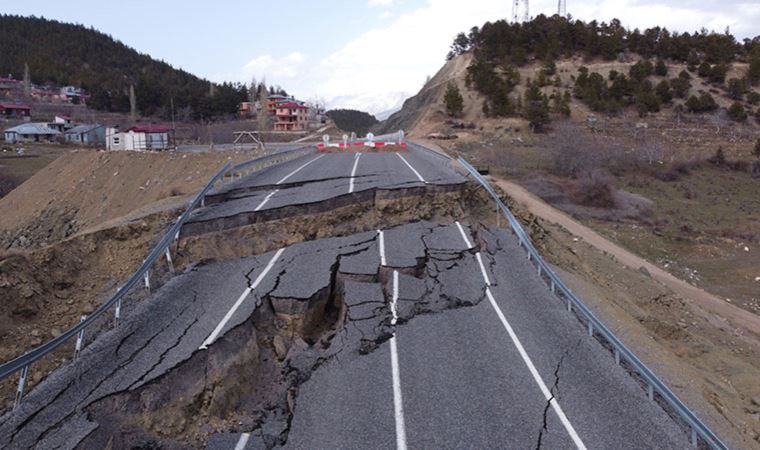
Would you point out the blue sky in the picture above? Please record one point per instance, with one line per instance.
(368, 54)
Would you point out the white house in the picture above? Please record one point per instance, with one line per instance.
(140, 138)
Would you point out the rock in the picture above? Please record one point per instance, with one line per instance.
(279, 347)
(644, 271)
(35, 333)
(756, 400)
(55, 332)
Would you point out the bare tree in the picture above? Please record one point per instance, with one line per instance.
(132, 103)
(27, 81)
(263, 114)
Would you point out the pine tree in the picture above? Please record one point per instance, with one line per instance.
(262, 119)
(535, 107)
(453, 100)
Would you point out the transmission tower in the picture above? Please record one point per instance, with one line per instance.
(516, 10)
(562, 8)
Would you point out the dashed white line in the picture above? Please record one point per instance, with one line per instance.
(547, 393)
(297, 170)
(214, 334)
(381, 244)
(353, 173)
(464, 235)
(266, 199)
(398, 403)
(410, 166)
(523, 354)
(241, 443)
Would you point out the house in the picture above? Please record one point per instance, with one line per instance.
(88, 134)
(10, 88)
(14, 110)
(61, 123)
(31, 132)
(245, 109)
(291, 116)
(73, 94)
(140, 138)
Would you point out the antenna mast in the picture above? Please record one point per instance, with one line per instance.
(516, 10)
(562, 8)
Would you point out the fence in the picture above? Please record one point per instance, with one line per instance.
(22, 363)
(596, 327)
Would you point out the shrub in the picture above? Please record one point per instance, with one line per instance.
(736, 112)
(719, 159)
(594, 189)
(753, 98)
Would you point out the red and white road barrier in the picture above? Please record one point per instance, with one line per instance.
(369, 141)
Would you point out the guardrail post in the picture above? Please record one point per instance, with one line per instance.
(23, 376)
(569, 306)
(590, 328)
(694, 440)
(117, 309)
(146, 277)
(498, 218)
(617, 356)
(539, 269)
(203, 201)
(553, 288)
(650, 391)
(80, 339)
(169, 260)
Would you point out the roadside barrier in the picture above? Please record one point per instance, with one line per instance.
(595, 328)
(228, 173)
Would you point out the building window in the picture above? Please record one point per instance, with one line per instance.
(116, 141)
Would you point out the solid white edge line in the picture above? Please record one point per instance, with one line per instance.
(381, 245)
(464, 235)
(410, 166)
(394, 312)
(398, 402)
(241, 443)
(483, 268)
(297, 170)
(353, 173)
(266, 199)
(534, 372)
(214, 334)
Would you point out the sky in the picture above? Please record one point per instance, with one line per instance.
(363, 54)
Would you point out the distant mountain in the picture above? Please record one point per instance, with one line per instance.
(352, 120)
(67, 54)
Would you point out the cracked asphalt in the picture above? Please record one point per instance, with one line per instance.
(463, 380)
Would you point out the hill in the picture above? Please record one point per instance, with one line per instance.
(68, 54)
(351, 120)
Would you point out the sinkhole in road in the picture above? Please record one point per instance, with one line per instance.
(248, 379)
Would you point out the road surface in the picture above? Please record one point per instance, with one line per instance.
(424, 335)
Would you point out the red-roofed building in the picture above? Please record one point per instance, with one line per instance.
(14, 110)
(291, 116)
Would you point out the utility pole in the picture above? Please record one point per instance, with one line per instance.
(562, 8)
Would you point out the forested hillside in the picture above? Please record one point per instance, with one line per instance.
(67, 54)
(352, 120)
(500, 49)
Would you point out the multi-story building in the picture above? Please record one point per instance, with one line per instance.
(291, 116)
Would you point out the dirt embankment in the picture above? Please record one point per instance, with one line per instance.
(86, 189)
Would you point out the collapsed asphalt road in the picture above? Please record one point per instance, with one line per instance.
(433, 335)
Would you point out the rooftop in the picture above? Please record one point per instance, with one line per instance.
(149, 129)
(33, 128)
(84, 128)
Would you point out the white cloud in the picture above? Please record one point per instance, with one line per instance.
(386, 15)
(284, 68)
(373, 3)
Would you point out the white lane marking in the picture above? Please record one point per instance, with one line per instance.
(266, 199)
(483, 269)
(353, 173)
(394, 312)
(297, 170)
(410, 166)
(212, 337)
(464, 235)
(547, 393)
(398, 402)
(242, 441)
(381, 244)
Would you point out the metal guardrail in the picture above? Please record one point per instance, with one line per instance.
(654, 385)
(21, 364)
